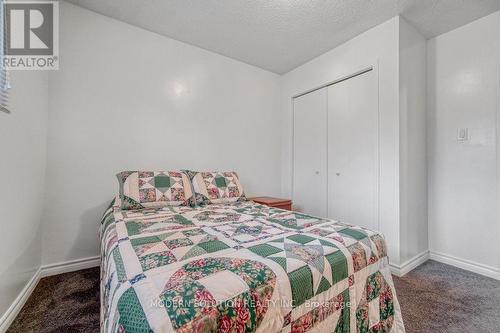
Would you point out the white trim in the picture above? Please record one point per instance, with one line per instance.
(16, 306)
(410, 264)
(44, 271)
(69, 266)
(468, 265)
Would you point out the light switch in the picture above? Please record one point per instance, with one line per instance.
(462, 134)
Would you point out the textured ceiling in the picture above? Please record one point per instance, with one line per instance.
(279, 35)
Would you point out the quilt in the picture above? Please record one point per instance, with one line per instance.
(242, 267)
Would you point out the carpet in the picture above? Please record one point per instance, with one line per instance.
(62, 303)
(435, 298)
(438, 298)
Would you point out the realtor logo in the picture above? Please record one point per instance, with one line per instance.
(31, 35)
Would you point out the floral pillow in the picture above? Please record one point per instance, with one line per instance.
(154, 189)
(217, 187)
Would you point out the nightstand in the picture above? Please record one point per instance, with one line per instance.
(274, 202)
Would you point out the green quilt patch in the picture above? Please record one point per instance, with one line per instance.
(302, 239)
(162, 182)
(264, 250)
(132, 317)
(301, 281)
(338, 262)
(344, 323)
(144, 240)
(120, 268)
(220, 182)
(356, 234)
(324, 285)
(213, 246)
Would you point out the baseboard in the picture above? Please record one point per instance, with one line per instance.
(69, 266)
(468, 265)
(19, 302)
(409, 265)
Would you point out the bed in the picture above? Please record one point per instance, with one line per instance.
(241, 267)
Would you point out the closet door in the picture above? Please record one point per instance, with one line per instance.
(309, 153)
(353, 162)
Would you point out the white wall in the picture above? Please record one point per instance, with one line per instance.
(379, 47)
(463, 89)
(22, 174)
(126, 99)
(412, 144)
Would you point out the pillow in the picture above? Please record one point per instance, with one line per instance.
(217, 187)
(154, 189)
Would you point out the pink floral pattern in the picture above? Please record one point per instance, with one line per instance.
(243, 313)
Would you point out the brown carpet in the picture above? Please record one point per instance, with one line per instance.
(435, 298)
(62, 303)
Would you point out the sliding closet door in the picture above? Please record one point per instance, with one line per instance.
(353, 169)
(309, 152)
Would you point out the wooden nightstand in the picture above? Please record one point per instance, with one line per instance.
(274, 202)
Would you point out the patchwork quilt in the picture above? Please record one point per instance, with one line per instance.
(242, 267)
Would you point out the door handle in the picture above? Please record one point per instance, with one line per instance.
(337, 173)
(316, 172)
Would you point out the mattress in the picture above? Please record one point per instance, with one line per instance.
(242, 267)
